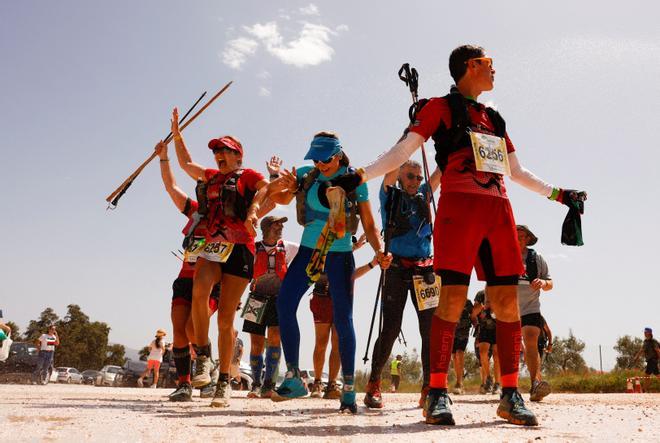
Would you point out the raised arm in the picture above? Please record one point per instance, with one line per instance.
(176, 194)
(253, 211)
(282, 190)
(194, 170)
(434, 180)
(393, 158)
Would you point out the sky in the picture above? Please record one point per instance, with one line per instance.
(87, 90)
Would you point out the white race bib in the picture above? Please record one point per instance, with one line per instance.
(194, 249)
(427, 295)
(490, 153)
(217, 252)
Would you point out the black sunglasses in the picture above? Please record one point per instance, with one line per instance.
(325, 162)
(221, 149)
(412, 176)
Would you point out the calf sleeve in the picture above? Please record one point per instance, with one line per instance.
(257, 367)
(509, 339)
(442, 339)
(272, 363)
(182, 363)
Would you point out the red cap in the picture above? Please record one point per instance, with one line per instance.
(227, 142)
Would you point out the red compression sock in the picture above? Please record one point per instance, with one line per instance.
(442, 340)
(509, 339)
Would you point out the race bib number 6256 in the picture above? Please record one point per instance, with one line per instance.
(490, 153)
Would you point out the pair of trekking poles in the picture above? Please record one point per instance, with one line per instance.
(410, 77)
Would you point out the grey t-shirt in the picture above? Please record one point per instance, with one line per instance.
(529, 299)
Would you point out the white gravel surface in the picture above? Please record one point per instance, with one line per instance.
(87, 413)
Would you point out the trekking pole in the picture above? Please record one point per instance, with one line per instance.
(410, 77)
(113, 198)
(393, 206)
(402, 337)
(121, 190)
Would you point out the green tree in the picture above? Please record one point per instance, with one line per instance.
(83, 343)
(144, 353)
(471, 365)
(626, 348)
(37, 327)
(566, 356)
(15, 331)
(115, 355)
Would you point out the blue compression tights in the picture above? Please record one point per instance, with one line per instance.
(339, 267)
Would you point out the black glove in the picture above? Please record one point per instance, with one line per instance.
(348, 182)
(571, 229)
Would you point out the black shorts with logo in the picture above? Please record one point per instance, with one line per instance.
(240, 262)
(652, 367)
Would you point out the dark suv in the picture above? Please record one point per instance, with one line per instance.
(20, 364)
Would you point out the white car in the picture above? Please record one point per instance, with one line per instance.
(68, 375)
(111, 375)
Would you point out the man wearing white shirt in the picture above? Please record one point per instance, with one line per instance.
(46, 344)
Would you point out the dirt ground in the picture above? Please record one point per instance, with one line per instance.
(87, 413)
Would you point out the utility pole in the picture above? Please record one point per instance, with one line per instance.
(600, 353)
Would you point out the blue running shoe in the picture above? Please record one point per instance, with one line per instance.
(348, 404)
(292, 387)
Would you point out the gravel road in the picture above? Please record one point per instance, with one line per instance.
(87, 413)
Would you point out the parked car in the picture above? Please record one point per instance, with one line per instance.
(68, 375)
(111, 376)
(133, 369)
(92, 377)
(21, 363)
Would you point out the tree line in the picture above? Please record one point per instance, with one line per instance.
(84, 343)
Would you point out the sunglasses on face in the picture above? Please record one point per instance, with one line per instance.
(221, 150)
(488, 60)
(325, 162)
(411, 176)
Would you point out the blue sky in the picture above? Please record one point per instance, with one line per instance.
(87, 89)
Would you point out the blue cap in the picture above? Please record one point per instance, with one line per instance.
(649, 330)
(322, 148)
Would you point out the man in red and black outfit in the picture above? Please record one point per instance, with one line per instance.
(474, 226)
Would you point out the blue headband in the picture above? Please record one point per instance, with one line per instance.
(322, 148)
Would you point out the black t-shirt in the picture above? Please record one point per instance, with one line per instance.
(650, 345)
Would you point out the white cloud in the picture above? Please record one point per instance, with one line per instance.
(264, 92)
(310, 48)
(237, 51)
(310, 9)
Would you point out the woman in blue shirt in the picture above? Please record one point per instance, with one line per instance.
(330, 161)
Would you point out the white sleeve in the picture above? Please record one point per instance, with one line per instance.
(291, 251)
(526, 178)
(395, 156)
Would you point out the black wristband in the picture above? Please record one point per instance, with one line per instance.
(274, 175)
(370, 265)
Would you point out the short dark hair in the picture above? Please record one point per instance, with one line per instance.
(459, 57)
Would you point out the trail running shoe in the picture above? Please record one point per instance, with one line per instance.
(422, 396)
(540, 389)
(332, 391)
(291, 387)
(512, 409)
(348, 404)
(267, 390)
(437, 410)
(182, 393)
(373, 398)
(207, 391)
(203, 368)
(315, 392)
(222, 395)
(458, 389)
(254, 391)
(497, 389)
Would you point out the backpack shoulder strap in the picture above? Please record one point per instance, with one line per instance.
(498, 122)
